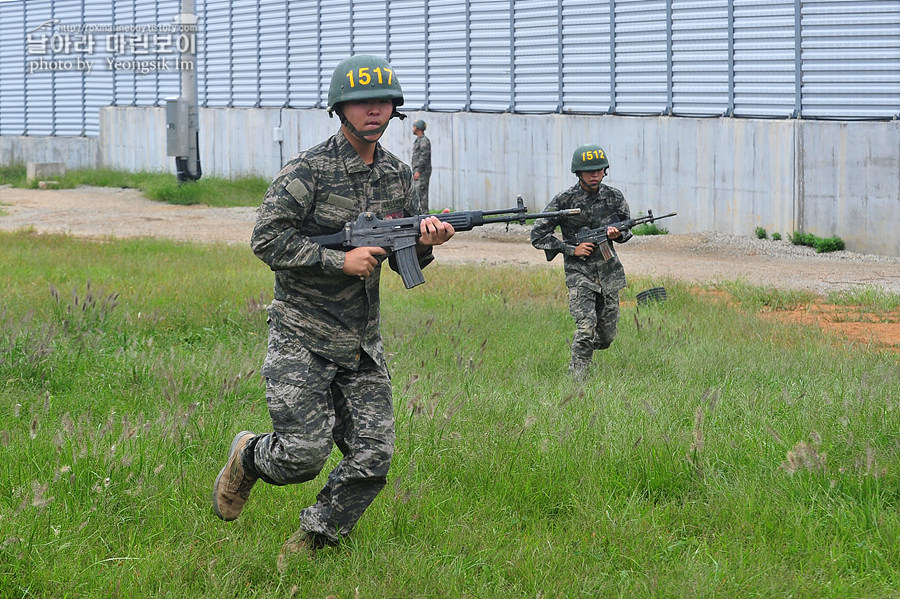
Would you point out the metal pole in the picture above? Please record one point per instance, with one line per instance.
(188, 68)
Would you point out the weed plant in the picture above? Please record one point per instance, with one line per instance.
(758, 298)
(12, 174)
(869, 297)
(710, 453)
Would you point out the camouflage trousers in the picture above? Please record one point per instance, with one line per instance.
(421, 187)
(596, 322)
(353, 410)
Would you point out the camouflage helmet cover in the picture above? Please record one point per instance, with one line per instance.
(589, 157)
(363, 77)
(420, 125)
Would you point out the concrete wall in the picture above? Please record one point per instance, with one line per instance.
(720, 174)
(75, 152)
(849, 183)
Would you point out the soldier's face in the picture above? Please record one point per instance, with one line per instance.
(368, 115)
(590, 180)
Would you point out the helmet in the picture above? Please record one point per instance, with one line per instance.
(590, 157)
(363, 77)
(420, 125)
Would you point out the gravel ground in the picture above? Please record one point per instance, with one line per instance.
(709, 257)
(702, 258)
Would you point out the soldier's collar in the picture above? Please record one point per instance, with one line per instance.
(354, 163)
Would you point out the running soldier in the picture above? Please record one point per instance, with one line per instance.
(593, 281)
(327, 382)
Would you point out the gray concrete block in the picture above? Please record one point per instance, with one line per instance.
(42, 171)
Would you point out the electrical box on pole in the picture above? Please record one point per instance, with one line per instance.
(178, 142)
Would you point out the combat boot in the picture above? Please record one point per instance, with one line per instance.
(232, 487)
(579, 370)
(301, 543)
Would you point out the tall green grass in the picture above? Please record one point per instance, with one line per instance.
(159, 186)
(869, 297)
(709, 454)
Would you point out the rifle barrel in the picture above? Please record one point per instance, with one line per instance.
(508, 219)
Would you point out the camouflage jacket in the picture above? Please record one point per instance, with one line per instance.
(606, 207)
(421, 156)
(316, 305)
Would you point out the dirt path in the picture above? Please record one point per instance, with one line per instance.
(696, 258)
(111, 212)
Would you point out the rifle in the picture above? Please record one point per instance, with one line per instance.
(598, 235)
(399, 235)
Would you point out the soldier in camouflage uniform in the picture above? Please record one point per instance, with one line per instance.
(326, 376)
(593, 282)
(421, 165)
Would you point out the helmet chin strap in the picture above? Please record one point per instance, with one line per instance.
(360, 135)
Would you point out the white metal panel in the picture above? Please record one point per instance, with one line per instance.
(68, 85)
(336, 37)
(303, 53)
(146, 85)
(123, 15)
(217, 78)
(490, 55)
(851, 49)
(99, 87)
(245, 49)
(448, 67)
(641, 57)
(273, 82)
(764, 61)
(700, 76)
(200, 49)
(168, 80)
(587, 65)
(12, 68)
(407, 49)
(39, 85)
(370, 30)
(537, 39)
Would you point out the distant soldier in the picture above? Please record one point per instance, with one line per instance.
(326, 375)
(421, 165)
(593, 282)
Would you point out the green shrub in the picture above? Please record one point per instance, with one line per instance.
(649, 229)
(829, 244)
(776, 236)
(761, 233)
(820, 244)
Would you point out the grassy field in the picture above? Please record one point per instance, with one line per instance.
(159, 186)
(711, 453)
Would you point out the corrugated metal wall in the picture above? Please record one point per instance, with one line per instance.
(833, 59)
